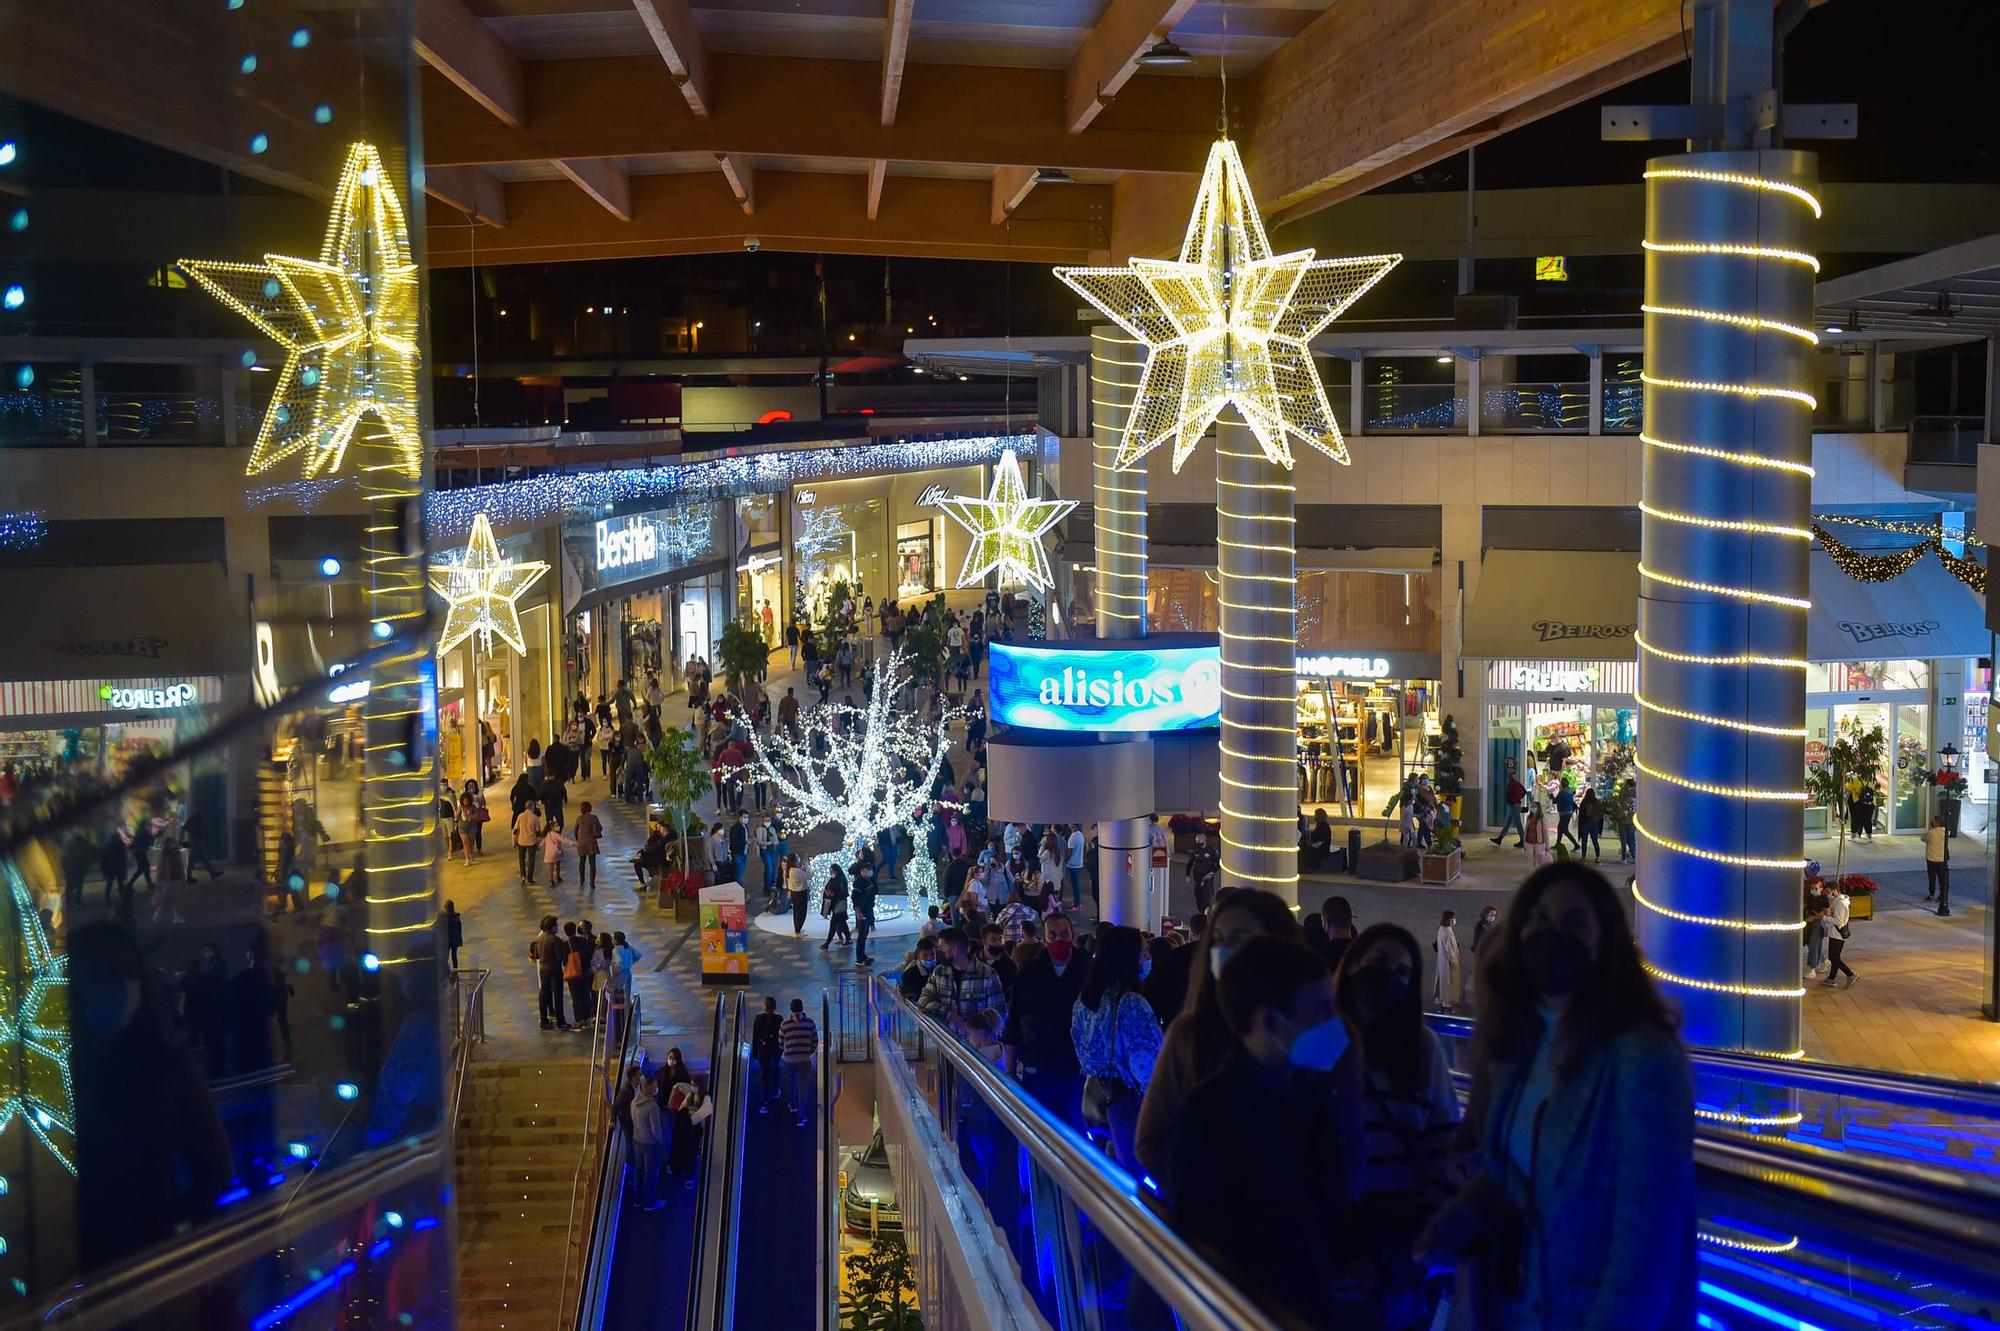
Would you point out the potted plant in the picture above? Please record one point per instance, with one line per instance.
(1860, 890)
(680, 778)
(1186, 826)
(742, 655)
(1444, 859)
(1449, 764)
(1951, 788)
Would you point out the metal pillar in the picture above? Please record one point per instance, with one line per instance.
(1724, 587)
(1255, 550)
(1124, 854)
(1116, 360)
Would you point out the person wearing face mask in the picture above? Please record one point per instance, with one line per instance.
(1036, 1036)
(1199, 1041)
(963, 992)
(1274, 1209)
(1117, 1039)
(994, 951)
(1409, 1112)
(1582, 1215)
(922, 962)
(1488, 919)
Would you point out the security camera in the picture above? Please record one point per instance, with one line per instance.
(753, 243)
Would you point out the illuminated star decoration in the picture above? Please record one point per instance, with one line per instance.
(34, 1026)
(1007, 529)
(347, 321)
(1228, 324)
(481, 588)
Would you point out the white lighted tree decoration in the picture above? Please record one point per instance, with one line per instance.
(1007, 528)
(1227, 324)
(685, 533)
(877, 768)
(821, 530)
(481, 588)
(347, 321)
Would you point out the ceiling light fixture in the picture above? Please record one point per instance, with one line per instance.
(1164, 54)
(1053, 175)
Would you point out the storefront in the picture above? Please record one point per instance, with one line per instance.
(651, 589)
(886, 537)
(760, 566)
(1365, 724)
(1906, 657)
(1580, 715)
(491, 699)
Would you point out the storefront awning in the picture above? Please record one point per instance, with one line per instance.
(1924, 613)
(1555, 605)
(120, 623)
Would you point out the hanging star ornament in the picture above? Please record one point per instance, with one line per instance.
(1007, 528)
(35, 1027)
(1227, 324)
(481, 587)
(347, 321)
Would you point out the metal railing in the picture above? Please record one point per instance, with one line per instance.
(600, 1083)
(1560, 407)
(1078, 1173)
(468, 1027)
(710, 1289)
(600, 1240)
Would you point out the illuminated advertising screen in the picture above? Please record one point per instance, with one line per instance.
(1052, 686)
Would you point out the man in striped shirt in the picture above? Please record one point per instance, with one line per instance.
(798, 1039)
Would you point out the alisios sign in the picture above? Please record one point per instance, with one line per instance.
(1131, 690)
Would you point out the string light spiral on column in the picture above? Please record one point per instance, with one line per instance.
(1726, 519)
(1226, 328)
(1120, 496)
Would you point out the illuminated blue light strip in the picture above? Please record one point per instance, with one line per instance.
(264, 1321)
(378, 1248)
(1786, 1274)
(1758, 1310)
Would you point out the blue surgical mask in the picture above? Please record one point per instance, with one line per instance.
(1218, 953)
(1145, 967)
(1318, 1048)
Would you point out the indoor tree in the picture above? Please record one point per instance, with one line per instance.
(1855, 753)
(680, 778)
(741, 653)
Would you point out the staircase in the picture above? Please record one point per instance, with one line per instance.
(521, 1129)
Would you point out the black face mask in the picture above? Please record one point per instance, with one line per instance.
(1378, 989)
(1554, 961)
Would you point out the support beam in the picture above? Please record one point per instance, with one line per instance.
(1011, 186)
(604, 181)
(895, 46)
(670, 23)
(797, 211)
(454, 41)
(476, 193)
(1367, 88)
(1110, 54)
(737, 170)
(878, 171)
(794, 107)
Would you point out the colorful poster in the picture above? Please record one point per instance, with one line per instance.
(725, 939)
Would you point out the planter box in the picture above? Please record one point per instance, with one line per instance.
(1387, 863)
(1861, 906)
(1442, 868)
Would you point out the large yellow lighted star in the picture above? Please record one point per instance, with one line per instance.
(1227, 324)
(1007, 529)
(347, 321)
(481, 588)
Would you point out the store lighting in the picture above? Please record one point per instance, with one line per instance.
(1444, 360)
(1227, 324)
(350, 317)
(1164, 54)
(329, 567)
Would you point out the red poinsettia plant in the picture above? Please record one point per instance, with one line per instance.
(684, 884)
(1857, 885)
(1193, 822)
(1950, 783)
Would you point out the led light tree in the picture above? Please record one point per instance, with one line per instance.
(1226, 328)
(875, 769)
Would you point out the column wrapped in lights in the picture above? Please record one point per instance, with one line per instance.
(1724, 589)
(1116, 360)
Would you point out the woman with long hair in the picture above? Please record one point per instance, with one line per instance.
(1198, 1040)
(1409, 1110)
(1117, 1039)
(1583, 1213)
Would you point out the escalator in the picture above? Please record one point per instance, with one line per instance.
(1829, 1199)
(746, 1239)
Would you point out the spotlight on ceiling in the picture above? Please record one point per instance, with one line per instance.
(1052, 175)
(1164, 54)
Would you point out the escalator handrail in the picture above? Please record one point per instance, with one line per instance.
(827, 1263)
(1204, 1300)
(595, 1287)
(705, 1301)
(1907, 1089)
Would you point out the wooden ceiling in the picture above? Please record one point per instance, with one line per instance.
(580, 129)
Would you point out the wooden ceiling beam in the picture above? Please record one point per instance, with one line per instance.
(796, 211)
(895, 46)
(1369, 92)
(1110, 54)
(478, 194)
(670, 23)
(454, 41)
(604, 181)
(738, 171)
(878, 171)
(1011, 186)
(796, 107)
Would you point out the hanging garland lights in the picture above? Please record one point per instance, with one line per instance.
(1902, 527)
(1881, 568)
